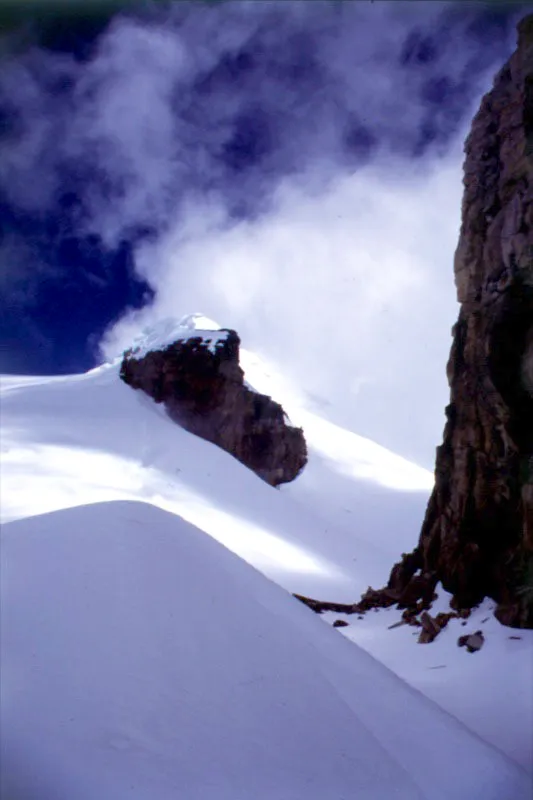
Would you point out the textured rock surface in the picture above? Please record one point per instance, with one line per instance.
(203, 390)
(477, 536)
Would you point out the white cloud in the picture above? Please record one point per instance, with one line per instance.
(348, 290)
(345, 281)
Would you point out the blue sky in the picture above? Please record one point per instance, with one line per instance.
(292, 169)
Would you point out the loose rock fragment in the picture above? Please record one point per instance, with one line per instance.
(472, 641)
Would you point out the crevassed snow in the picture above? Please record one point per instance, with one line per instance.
(141, 659)
(338, 528)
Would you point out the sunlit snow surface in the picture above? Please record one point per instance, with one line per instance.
(141, 659)
(168, 331)
(338, 528)
(346, 453)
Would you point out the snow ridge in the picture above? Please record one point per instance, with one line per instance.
(170, 330)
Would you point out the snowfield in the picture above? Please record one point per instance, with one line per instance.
(141, 658)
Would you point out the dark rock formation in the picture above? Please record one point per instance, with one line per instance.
(319, 606)
(430, 628)
(477, 536)
(473, 641)
(202, 388)
(415, 593)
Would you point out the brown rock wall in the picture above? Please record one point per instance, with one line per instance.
(203, 390)
(477, 536)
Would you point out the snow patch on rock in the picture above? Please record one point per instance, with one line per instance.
(170, 330)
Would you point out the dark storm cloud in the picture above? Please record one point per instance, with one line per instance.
(223, 98)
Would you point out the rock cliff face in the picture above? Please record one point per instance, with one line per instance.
(477, 536)
(202, 388)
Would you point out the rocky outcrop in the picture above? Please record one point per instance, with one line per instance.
(202, 387)
(473, 641)
(477, 536)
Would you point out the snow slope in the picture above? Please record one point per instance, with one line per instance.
(141, 659)
(82, 439)
(77, 440)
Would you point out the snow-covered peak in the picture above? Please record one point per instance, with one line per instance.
(198, 321)
(170, 330)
